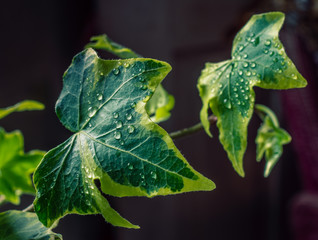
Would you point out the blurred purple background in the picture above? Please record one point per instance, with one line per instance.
(38, 41)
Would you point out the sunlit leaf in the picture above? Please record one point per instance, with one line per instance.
(17, 225)
(114, 142)
(26, 105)
(161, 103)
(270, 139)
(258, 59)
(16, 166)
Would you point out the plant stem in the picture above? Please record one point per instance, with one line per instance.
(29, 208)
(191, 130)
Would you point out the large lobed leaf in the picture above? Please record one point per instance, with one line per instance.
(161, 103)
(16, 167)
(17, 225)
(258, 59)
(114, 142)
(270, 139)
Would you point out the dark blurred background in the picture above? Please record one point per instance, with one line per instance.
(39, 39)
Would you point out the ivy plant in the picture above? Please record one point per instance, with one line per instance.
(116, 147)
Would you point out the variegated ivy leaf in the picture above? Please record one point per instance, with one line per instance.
(114, 142)
(258, 59)
(16, 167)
(26, 105)
(270, 139)
(161, 103)
(17, 225)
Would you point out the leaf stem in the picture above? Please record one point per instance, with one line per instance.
(29, 208)
(191, 130)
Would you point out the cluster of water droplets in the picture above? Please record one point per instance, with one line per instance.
(124, 125)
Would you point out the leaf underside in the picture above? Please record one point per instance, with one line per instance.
(270, 139)
(17, 225)
(114, 142)
(161, 103)
(258, 59)
(16, 167)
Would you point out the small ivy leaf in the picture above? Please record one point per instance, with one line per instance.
(161, 103)
(114, 142)
(258, 59)
(16, 167)
(17, 225)
(270, 139)
(26, 105)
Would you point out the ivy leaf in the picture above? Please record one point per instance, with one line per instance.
(16, 166)
(258, 59)
(26, 105)
(270, 139)
(161, 103)
(17, 225)
(114, 142)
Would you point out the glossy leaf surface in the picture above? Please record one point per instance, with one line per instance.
(114, 142)
(26, 105)
(258, 59)
(16, 166)
(270, 139)
(161, 103)
(17, 225)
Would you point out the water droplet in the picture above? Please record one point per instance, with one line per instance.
(101, 73)
(86, 191)
(153, 175)
(128, 116)
(248, 73)
(238, 57)
(142, 176)
(121, 142)
(144, 87)
(265, 51)
(245, 56)
(245, 64)
(253, 65)
(294, 76)
(133, 105)
(255, 41)
(119, 124)
(227, 103)
(130, 129)
(116, 71)
(100, 97)
(130, 166)
(235, 65)
(235, 89)
(117, 135)
(236, 95)
(126, 64)
(271, 53)
(283, 63)
(268, 42)
(115, 115)
(238, 102)
(241, 48)
(241, 80)
(240, 73)
(247, 88)
(252, 34)
(91, 111)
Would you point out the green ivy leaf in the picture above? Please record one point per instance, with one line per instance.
(258, 59)
(16, 166)
(114, 142)
(17, 225)
(26, 105)
(161, 103)
(270, 139)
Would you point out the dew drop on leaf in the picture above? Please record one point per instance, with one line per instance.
(117, 135)
(91, 111)
(116, 71)
(245, 64)
(99, 97)
(133, 105)
(268, 42)
(121, 142)
(115, 115)
(128, 116)
(126, 65)
(119, 124)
